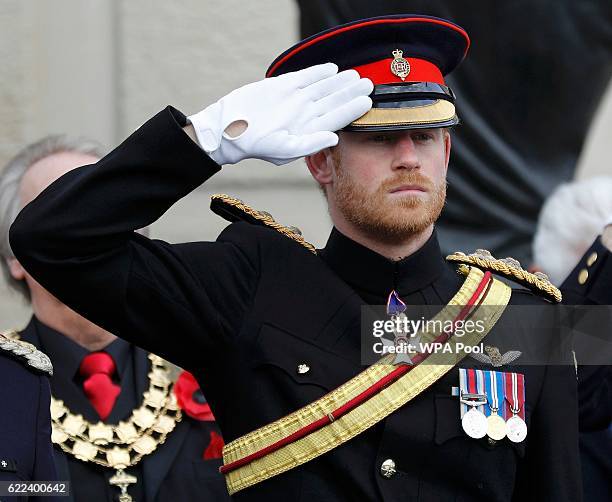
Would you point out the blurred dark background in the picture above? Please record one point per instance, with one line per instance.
(527, 93)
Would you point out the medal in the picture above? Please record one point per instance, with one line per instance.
(401, 343)
(395, 305)
(474, 422)
(496, 426)
(516, 428)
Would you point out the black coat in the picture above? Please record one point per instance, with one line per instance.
(592, 289)
(175, 471)
(595, 382)
(243, 312)
(26, 453)
(596, 287)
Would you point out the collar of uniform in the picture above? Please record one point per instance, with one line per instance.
(366, 270)
(67, 355)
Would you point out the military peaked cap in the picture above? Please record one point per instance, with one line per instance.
(405, 56)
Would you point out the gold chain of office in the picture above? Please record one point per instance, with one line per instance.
(122, 445)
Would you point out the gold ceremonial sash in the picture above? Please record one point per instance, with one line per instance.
(368, 413)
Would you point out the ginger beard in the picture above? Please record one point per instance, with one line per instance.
(381, 215)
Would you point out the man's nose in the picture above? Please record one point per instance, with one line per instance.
(405, 154)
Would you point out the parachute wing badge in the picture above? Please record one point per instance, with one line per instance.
(511, 355)
(495, 358)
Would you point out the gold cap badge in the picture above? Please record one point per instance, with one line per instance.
(400, 67)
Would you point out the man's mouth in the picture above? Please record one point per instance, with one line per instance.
(404, 189)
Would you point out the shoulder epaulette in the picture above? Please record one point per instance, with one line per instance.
(509, 268)
(232, 209)
(25, 352)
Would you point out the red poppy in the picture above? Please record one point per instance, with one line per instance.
(215, 447)
(190, 398)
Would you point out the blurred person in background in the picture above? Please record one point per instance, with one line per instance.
(575, 215)
(106, 393)
(575, 227)
(26, 452)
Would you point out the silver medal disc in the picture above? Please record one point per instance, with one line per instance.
(496, 427)
(516, 429)
(474, 424)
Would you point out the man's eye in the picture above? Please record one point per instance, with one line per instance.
(380, 138)
(423, 136)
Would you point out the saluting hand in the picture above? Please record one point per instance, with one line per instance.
(281, 119)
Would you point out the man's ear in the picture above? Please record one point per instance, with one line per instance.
(320, 166)
(447, 149)
(17, 271)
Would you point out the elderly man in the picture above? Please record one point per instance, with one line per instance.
(262, 316)
(114, 395)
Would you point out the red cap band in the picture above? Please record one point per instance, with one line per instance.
(379, 72)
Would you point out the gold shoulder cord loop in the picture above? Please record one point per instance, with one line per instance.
(510, 268)
(233, 209)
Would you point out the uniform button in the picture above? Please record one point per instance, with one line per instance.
(583, 276)
(591, 259)
(303, 368)
(491, 441)
(387, 469)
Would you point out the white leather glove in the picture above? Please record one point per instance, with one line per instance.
(287, 117)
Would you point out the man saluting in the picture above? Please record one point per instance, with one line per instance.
(263, 317)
